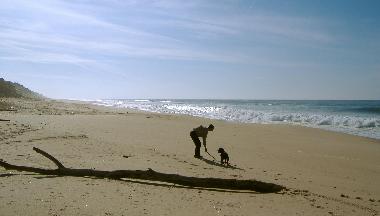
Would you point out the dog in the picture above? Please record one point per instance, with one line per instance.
(224, 159)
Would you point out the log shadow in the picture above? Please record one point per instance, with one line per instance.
(15, 174)
(48, 177)
(187, 187)
(6, 175)
(151, 183)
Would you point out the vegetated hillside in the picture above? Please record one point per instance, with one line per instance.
(12, 89)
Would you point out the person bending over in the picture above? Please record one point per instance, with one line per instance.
(200, 132)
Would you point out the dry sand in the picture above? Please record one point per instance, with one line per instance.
(327, 173)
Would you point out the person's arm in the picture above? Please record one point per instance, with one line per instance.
(204, 143)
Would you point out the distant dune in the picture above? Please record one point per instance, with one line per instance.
(16, 90)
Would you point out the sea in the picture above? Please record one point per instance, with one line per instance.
(357, 117)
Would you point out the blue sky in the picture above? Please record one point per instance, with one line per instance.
(225, 49)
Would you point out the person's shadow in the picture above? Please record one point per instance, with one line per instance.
(214, 163)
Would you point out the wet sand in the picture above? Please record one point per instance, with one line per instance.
(326, 173)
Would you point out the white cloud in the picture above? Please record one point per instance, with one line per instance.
(73, 35)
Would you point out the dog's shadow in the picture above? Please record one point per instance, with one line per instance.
(214, 163)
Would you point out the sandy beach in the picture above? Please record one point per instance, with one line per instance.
(325, 173)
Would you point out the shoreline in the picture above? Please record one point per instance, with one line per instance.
(325, 171)
(317, 114)
(228, 121)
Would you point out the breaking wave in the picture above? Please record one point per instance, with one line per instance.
(263, 113)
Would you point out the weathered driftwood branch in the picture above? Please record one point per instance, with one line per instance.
(55, 161)
(151, 175)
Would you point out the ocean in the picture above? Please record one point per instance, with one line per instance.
(353, 117)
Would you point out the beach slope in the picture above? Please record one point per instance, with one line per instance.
(325, 173)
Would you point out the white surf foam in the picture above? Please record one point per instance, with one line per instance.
(364, 126)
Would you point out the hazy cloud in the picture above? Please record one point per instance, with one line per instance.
(69, 33)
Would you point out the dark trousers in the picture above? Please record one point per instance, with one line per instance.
(197, 143)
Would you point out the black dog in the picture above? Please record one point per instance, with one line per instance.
(224, 159)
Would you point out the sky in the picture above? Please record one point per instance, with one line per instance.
(199, 49)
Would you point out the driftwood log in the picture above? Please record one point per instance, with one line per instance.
(150, 175)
